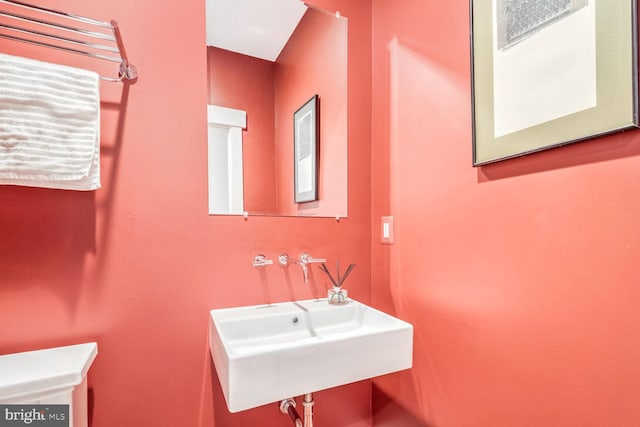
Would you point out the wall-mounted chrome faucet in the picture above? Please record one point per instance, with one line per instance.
(284, 260)
(305, 259)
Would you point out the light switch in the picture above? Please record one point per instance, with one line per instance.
(387, 230)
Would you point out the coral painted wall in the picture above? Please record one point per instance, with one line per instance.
(314, 62)
(521, 277)
(137, 264)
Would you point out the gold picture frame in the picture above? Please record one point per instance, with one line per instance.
(543, 77)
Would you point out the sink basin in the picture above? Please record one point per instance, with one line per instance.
(264, 354)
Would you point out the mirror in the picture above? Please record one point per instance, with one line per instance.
(256, 89)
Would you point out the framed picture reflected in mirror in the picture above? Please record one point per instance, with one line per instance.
(306, 138)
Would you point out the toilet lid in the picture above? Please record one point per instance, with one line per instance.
(31, 372)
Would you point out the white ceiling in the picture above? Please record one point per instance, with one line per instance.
(258, 28)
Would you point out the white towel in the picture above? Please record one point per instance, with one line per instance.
(49, 125)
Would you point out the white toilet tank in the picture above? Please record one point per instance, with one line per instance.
(53, 376)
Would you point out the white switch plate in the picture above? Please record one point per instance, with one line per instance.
(386, 235)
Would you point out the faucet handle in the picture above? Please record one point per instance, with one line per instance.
(260, 261)
(308, 259)
(283, 260)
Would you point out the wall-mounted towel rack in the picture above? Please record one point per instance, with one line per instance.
(105, 46)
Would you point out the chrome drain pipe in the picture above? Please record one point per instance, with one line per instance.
(288, 407)
(307, 402)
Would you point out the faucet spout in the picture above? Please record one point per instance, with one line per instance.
(284, 260)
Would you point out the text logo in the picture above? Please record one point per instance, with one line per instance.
(34, 415)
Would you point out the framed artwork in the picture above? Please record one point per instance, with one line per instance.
(546, 73)
(306, 137)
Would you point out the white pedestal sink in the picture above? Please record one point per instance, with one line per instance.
(264, 354)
